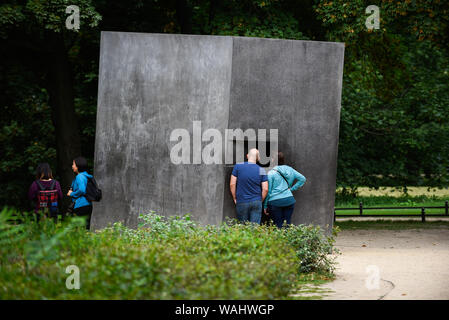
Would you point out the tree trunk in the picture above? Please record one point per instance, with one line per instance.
(184, 16)
(61, 98)
(212, 6)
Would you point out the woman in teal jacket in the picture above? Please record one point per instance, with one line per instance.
(279, 201)
(77, 192)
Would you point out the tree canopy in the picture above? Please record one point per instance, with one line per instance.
(395, 102)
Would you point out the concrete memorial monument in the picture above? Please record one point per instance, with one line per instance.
(168, 107)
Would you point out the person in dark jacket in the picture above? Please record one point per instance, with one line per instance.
(45, 182)
(77, 192)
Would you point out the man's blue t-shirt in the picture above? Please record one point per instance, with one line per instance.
(249, 179)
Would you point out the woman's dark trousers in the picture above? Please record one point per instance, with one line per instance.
(85, 211)
(281, 214)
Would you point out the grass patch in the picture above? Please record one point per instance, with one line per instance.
(411, 191)
(381, 201)
(391, 224)
(164, 258)
(390, 201)
(396, 192)
(308, 286)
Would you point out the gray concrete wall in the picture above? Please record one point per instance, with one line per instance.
(150, 84)
(294, 86)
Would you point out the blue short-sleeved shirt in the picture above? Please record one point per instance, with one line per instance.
(249, 179)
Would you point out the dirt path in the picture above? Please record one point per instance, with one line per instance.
(411, 264)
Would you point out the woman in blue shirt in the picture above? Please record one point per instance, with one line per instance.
(77, 192)
(280, 202)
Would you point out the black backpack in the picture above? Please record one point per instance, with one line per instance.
(93, 193)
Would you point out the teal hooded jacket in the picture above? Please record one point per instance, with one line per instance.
(277, 186)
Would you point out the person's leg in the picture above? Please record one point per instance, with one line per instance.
(255, 212)
(264, 219)
(54, 213)
(276, 214)
(38, 215)
(84, 211)
(287, 213)
(89, 216)
(242, 211)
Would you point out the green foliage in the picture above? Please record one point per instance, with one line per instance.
(27, 134)
(49, 15)
(395, 101)
(345, 20)
(399, 140)
(311, 248)
(256, 18)
(163, 258)
(10, 233)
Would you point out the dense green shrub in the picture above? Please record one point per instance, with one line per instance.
(312, 250)
(164, 258)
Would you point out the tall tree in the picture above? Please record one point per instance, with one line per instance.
(36, 31)
(395, 102)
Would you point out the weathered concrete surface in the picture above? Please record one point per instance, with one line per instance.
(294, 86)
(151, 84)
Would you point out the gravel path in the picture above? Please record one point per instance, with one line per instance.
(410, 264)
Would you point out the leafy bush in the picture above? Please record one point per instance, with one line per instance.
(311, 248)
(164, 258)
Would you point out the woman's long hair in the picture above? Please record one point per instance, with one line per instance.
(43, 171)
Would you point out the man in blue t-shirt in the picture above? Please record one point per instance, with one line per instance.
(249, 187)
